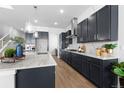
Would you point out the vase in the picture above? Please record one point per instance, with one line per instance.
(121, 82)
(19, 50)
(110, 51)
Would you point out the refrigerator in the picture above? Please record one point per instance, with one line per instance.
(42, 43)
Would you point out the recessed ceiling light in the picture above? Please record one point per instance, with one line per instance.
(55, 23)
(61, 11)
(35, 20)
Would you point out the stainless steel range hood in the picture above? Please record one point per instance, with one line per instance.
(74, 23)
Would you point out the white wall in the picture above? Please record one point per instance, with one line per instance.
(4, 30)
(121, 32)
(14, 32)
(53, 36)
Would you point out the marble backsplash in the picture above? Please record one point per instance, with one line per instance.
(91, 46)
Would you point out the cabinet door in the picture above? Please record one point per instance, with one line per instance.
(74, 59)
(103, 24)
(114, 23)
(84, 30)
(68, 57)
(85, 67)
(63, 55)
(92, 28)
(95, 74)
(63, 36)
(77, 62)
(79, 34)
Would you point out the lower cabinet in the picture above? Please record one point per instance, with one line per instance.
(77, 62)
(95, 74)
(96, 70)
(86, 68)
(43, 77)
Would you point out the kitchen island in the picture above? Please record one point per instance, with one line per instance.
(35, 71)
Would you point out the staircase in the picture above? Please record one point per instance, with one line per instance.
(4, 42)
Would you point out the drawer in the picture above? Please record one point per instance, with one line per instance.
(94, 60)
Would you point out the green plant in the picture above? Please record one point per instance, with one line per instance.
(9, 52)
(118, 69)
(19, 40)
(110, 46)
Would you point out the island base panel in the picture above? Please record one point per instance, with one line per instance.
(43, 77)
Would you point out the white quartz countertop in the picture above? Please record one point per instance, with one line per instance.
(93, 55)
(31, 61)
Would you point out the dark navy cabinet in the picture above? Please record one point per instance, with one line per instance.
(79, 34)
(82, 32)
(68, 39)
(95, 74)
(43, 77)
(85, 67)
(76, 62)
(114, 23)
(92, 31)
(107, 23)
(96, 70)
(62, 41)
(101, 26)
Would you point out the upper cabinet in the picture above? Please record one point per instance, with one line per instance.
(92, 34)
(101, 26)
(79, 33)
(82, 32)
(62, 41)
(103, 23)
(114, 23)
(68, 39)
(107, 23)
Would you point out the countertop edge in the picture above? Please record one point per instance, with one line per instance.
(30, 67)
(94, 56)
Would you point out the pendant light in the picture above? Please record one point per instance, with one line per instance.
(35, 14)
(35, 21)
(36, 34)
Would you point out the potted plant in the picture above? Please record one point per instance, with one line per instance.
(19, 40)
(118, 69)
(110, 47)
(19, 48)
(9, 54)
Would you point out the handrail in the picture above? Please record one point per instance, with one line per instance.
(4, 40)
(4, 37)
(5, 46)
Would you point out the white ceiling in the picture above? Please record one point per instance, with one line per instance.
(46, 15)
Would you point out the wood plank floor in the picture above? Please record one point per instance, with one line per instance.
(67, 77)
